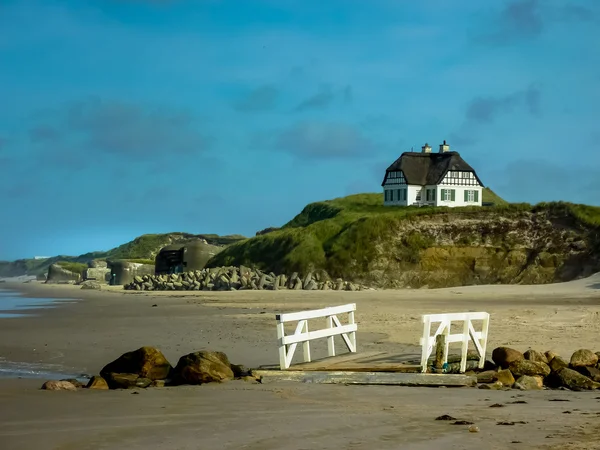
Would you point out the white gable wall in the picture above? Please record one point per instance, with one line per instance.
(412, 194)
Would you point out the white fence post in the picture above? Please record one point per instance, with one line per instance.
(288, 343)
(330, 341)
(479, 338)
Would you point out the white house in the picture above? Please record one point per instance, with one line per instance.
(435, 179)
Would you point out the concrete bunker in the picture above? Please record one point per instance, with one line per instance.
(184, 257)
(123, 272)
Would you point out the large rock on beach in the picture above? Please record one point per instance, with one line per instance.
(529, 383)
(54, 385)
(145, 362)
(203, 367)
(574, 380)
(534, 355)
(91, 285)
(97, 383)
(584, 358)
(127, 381)
(557, 363)
(506, 377)
(593, 373)
(529, 368)
(504, 356)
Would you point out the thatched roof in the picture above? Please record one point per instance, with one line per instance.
(428, 168)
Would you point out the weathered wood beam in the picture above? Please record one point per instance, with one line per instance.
(366, 378)
(440, 350)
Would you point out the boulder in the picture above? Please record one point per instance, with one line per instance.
(529, 368)
(534, 355)
(584, 358)
(75, 382)
(203, 367)
(504, 356)
(489, 376)
(550, 355)
(239, 371)
(528, 383)
(574, 380)
(127, 381)
(506, 377)
(97, 383)
(558, 363)
(91, 285)
(146, 362)
(593, 373)
(54, 385)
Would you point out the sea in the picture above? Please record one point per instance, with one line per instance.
(14, 306)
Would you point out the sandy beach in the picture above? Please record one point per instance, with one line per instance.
(82, 336)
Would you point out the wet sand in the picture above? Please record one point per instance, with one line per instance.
(85, 335)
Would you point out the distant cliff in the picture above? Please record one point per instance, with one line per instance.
(144, 247)
(357, 238)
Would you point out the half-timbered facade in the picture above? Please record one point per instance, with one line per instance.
(436, 179)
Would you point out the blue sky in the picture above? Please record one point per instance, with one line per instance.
(120, 118)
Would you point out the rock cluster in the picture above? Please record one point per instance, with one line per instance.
(148, 367)
(238, 278)
(535, 370)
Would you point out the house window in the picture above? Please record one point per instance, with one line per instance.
(418, 198)
(398, 194)
(466, 174)
(391, 196)
(448, 195)
(472, 196)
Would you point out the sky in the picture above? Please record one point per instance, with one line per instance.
(125, 117)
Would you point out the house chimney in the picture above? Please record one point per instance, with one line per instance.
(444, 147)
(426, 148)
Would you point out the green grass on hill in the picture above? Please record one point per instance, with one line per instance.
(141, 261)
(74, 267)
(342, 235)
(147, 245)
(141, 250)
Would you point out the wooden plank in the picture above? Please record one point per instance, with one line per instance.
(362, 367)
(440, 347)
(341, 359)
(327, 361)
(366, 378)
(316, 313)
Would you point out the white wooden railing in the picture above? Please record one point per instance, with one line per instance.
(288, 343)
(479, 338)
